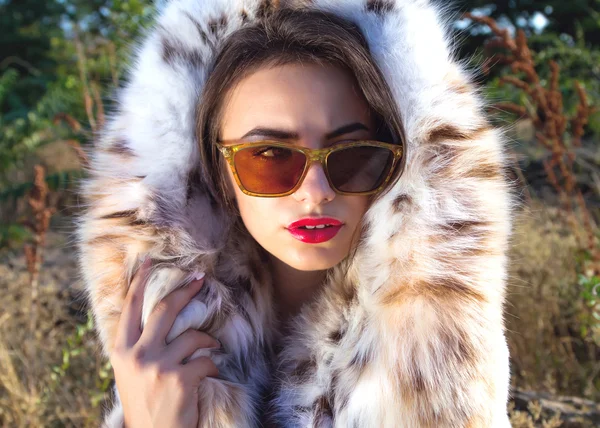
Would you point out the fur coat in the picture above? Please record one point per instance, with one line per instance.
(410, 333)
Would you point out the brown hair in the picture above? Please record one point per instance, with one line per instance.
(282, 37)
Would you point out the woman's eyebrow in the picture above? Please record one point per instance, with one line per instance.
(346, 129)
(278, 134)
(281, 134)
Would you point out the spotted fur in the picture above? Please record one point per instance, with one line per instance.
(409, 333)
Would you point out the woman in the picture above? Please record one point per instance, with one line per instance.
(365, 290)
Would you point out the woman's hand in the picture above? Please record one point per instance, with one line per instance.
(155, 388)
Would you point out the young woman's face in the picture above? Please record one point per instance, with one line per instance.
(310, 101)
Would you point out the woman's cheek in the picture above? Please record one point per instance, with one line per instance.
(259, 216)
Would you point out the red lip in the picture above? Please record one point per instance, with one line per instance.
(315, 236)
(312, 221)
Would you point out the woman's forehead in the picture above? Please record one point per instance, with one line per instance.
(302, 99)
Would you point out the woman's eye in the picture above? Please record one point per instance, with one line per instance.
(272, 152)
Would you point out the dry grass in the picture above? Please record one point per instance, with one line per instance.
(552, 347)
(533, 418)
(52, 377)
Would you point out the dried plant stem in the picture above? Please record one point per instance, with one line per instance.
(99, 105)
(548, 118)
(76, 127)
(112, 58)
(33, 254)
(79, 151)
(520, 176)
(92, 99)
(81, 65)
(70, 120)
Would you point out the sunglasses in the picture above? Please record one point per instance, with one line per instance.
(273, 168)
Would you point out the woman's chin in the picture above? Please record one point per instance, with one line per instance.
(314, 259)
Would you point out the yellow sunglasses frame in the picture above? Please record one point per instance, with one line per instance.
(313, 155)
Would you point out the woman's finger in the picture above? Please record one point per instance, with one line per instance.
(128, 330)
(197, 369)
(163, 316)
(187, 343)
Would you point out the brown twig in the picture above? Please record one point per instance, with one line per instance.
(70, 120)
(81, 65)
(33, 252)
(76, 127)
(33, 255)
(112, 60)
(517, 170)
(79, 151)
(16, 60)
(99, 105)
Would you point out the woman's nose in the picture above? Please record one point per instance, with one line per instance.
(315, 188)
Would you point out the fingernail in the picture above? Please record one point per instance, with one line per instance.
(199, 276)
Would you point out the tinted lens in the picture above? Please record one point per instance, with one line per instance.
(359, 169)
(269, 169)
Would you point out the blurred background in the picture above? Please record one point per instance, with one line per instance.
(536, 62)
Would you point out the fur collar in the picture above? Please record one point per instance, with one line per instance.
(432, 269)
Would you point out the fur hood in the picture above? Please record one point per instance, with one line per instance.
(411, 333)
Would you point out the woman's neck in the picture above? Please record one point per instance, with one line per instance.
(292, 287)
